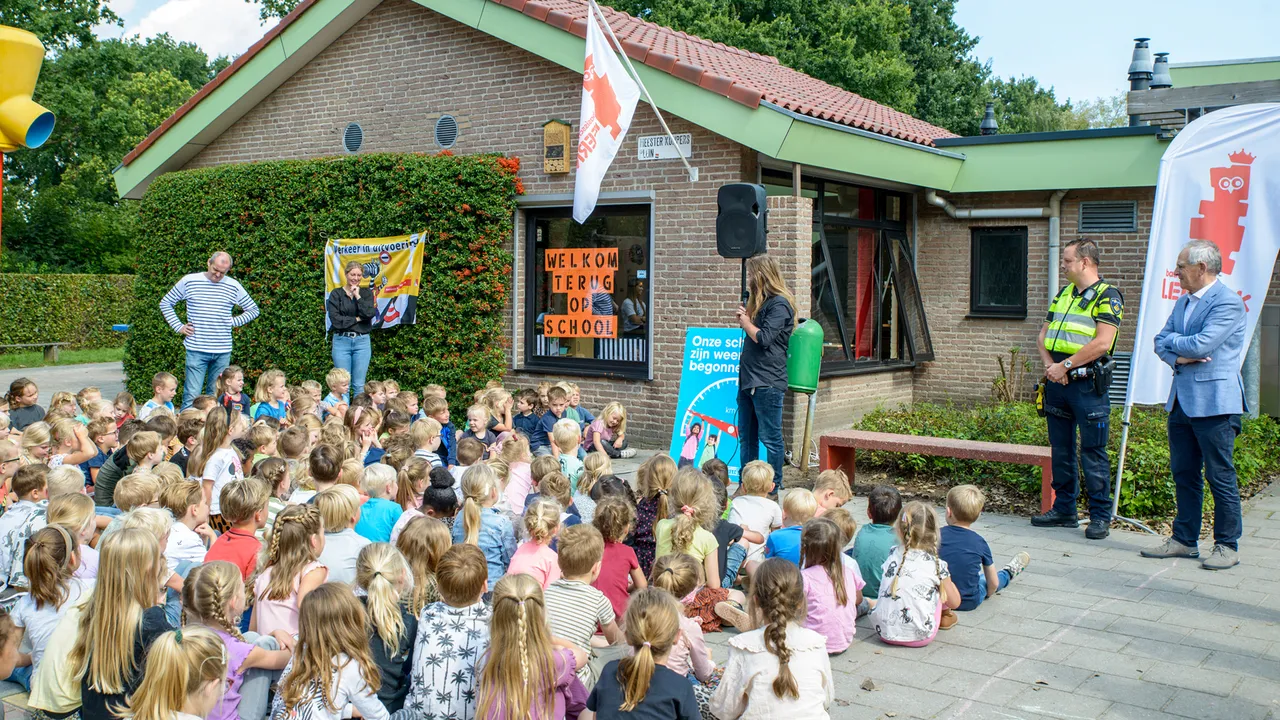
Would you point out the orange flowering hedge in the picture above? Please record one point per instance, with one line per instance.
(274, 219)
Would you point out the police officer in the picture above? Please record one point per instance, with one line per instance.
(1076, 343)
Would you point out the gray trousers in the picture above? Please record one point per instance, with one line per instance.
(255, 689)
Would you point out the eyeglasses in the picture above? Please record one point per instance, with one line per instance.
(6, 462)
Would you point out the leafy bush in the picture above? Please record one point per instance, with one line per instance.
(274, 219)
(1148, 490)
(75, 309)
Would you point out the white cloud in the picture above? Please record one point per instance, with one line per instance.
(219, 27)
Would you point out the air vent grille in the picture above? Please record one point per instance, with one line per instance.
(446, 131)
(352, 137)
(1109, 217)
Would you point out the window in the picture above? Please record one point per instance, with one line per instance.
(589, 291)
(998, 273)
(863, 282)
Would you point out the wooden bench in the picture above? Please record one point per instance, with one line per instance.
(837, 449)
(50, 349)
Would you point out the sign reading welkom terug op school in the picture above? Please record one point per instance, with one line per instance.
(581, 273)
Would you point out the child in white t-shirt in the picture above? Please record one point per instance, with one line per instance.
(752, 509)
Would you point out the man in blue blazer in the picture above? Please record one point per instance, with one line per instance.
(1203, 341)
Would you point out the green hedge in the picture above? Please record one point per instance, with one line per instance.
(1148, 484)
(75, 309)
(274, 219)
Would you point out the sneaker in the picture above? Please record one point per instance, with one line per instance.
(1097, 530)
(948, 619)
(1054, 519)
(1220, 558)
(1018, 564)
(627, 452)
(1171, 548)
(732, 613)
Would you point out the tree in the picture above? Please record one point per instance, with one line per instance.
(59, 24)
(949, 81)
(1023, 106)
(1104, 112)
(61, 208)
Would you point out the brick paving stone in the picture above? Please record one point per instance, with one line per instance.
(901, 699)
(1121, 711)
(1058, 615)
(1203, 706)
(972, 659)
(1119, 664)
(1263, 693)
(1053, 675)
(1214, 682)
(977, 686)
(1130, 691)
(1049, 701)
(1147, 629)
(1019, 626)
(1030, 648)
(1169, 652)
(1243, 665)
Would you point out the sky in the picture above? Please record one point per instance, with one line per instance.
(1081, 48)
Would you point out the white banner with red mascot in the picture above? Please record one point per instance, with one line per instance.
(609, 98)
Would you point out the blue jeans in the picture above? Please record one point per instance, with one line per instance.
(352, 354)
(760, 421)
(1003, 582)
(1204, 442)
(732, 563)
(203, 369)
(1068, 409)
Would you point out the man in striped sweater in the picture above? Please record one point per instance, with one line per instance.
(211, 299)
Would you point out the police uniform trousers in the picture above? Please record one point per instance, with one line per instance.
(1069, 408)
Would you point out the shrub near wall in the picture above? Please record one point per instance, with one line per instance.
(76, 309)
(275, 217)
(1148, 488)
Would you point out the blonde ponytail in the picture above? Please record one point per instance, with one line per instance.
(653, 624)
(179, 663)
(380, 568)
(479, 484)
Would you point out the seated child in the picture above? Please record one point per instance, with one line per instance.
(379, 513)
(752, 509)
(916, 585)
(437, 409)
(874, 542)
(426, 440)
(608, 433)
(731, 539)
(270, 396)
(619, 568)
(138, 489)
(643, 686)
(384, 576)
(24, 517)
(564, 438)
(678, 575)
(339, 508)
(482, 525)
(832, 586)
(453, 636)
(540, 440)
(163, 387)
(290, 569)
(798, 507)
(525, 418)
(335, 403)
(229, 392)
(244, 506)
(831, 490)
(412, 481)
(275, 473)
(439, 500)
(595, 468)
(478, 417)
(574, 607)
(535, 557)
(470, 452)
(188, 435)
(190, 535)
(263, 439)
(556, 486)
(105, 437)
(967, 554)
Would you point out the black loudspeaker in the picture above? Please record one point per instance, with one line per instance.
(741, 220)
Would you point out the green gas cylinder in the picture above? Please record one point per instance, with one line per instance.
(804, 356)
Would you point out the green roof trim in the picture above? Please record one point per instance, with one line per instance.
(1051, 163)
(1224, 72)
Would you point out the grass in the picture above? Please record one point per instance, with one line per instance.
(35, 358)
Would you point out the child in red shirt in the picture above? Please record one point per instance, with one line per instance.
(244, 505)
(614, 519)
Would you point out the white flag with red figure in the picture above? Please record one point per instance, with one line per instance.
(609, 98)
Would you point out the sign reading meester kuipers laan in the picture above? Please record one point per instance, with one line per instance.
(581, 273)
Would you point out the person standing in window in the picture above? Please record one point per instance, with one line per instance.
(634, 310)
(351, 312)
(767, 319)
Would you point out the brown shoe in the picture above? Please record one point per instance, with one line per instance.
(732, 613)
(948, 620)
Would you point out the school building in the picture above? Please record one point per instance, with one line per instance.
(923, 255)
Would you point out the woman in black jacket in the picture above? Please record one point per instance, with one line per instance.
(767, 319)
(351, 311)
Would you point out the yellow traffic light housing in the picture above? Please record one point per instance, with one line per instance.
(23, 123)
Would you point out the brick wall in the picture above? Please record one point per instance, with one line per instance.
(402, 66)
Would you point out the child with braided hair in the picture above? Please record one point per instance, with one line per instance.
(780, 669)
(291, 570)
(383, 575)
(916, 585)
(423, 542)
(678, 575)
(642, 685)
(213, 597)
(183, 677)
(535, 556)
(653, 483)
(527, 673)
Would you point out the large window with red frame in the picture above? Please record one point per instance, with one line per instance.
(863, 283)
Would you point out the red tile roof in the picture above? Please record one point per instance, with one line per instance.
(739, 75)
(742, 76)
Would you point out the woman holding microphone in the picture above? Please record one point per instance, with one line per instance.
(767, 319)
(351, 312)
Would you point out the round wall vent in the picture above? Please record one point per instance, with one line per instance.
(446, 131)
(352, 137)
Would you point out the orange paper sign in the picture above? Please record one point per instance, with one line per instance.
(580, 273)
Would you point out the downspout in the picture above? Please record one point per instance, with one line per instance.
(1053, 212)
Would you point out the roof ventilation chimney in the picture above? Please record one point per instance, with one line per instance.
(989, 126)
(1160, 77)
(1140, 69)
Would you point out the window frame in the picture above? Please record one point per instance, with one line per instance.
(582, 367)
(886, 233)
(1000, 312)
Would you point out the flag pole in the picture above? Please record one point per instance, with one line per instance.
(693, 172)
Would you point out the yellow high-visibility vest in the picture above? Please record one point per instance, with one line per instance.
(1072, 323)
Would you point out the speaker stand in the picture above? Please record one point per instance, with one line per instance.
(744, 282)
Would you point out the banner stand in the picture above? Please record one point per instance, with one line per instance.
(1124, 445)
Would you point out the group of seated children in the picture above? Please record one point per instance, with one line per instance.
(294, 555)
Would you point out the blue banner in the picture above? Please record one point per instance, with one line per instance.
(706, 422)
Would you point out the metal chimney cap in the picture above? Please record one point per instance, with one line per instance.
(1141, 63)
(989, 126)
(1160, 77)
